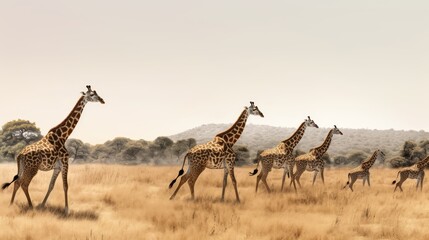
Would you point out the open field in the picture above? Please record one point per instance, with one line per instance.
(131, 202)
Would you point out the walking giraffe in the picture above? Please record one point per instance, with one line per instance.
(417, 171)
(281, 155)
(362, 171)
(215, 154)
(50, 153)
(313, 161)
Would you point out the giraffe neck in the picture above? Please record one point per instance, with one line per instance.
(422, 163)
(319, 151)
(62, 131)
(368, 163)
(231, 135)
(292, 141)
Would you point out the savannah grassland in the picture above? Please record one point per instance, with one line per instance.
(132, 202)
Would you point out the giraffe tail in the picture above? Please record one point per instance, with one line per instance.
(5, 185)
(256, 169)
(180, 172)
(394, 181)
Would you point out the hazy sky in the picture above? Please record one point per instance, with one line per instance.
(166, 66)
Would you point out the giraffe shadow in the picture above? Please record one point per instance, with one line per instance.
(58, 211)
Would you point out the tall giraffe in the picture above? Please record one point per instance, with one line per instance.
(50, 152)
(313, 161)
(281, 155)
(417, 171)
(215, 154)
(362, 171)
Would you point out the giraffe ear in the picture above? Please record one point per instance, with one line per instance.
(83, 93)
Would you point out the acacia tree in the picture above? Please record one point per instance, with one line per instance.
(181, 146)
(78, 150)
(15, 135)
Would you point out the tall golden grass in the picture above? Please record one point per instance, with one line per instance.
(132, 202)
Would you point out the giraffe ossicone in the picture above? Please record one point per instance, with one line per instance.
(50, 153)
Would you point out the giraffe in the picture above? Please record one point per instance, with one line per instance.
(417, 171)
(50, 153)
(312, 161)
(281, 155)
(362, 171)
(215, 154)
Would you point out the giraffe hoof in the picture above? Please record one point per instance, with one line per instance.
(66, 211)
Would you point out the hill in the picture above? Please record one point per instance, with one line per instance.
(259, 137)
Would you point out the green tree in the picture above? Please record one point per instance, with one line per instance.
(101, 153)
(182, 146)
(159, 146)
(242, 155)
(15, 135)
(356, 158)
(136, 152)
(78, 150)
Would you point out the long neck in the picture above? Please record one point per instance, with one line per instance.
(231, 135)
(319, 151)
(293, 140)
(422, 163)
(368, 163)
(63, 130)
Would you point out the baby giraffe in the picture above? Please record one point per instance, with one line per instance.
(362, 172)
(414, 172)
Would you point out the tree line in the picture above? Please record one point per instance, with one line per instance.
(17, 134)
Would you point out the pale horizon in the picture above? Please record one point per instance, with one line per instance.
(166, 67)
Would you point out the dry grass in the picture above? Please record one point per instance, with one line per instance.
(131, 202)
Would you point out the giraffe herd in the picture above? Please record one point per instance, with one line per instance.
(50, 153)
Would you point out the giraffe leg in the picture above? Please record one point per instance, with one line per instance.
(418, 182)
(225, 180)
(352, 181)
(27, 177)
(258, 178)
(298, 174)
(322, 175)
(291, 167)
(284, 177)
(364, 180)
(367, 178)
(57, 170)
(234, 182)
(264, 181)
(421, 181)
(401, 180)
(315, 175)
(183, 180)
(195, 173)
(16, 186)
(64, 171)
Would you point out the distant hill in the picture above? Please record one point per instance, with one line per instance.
(259, 137)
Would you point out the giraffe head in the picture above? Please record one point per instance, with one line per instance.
(254, 110)
(92, 96)
(335, 130)
(310, 123)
